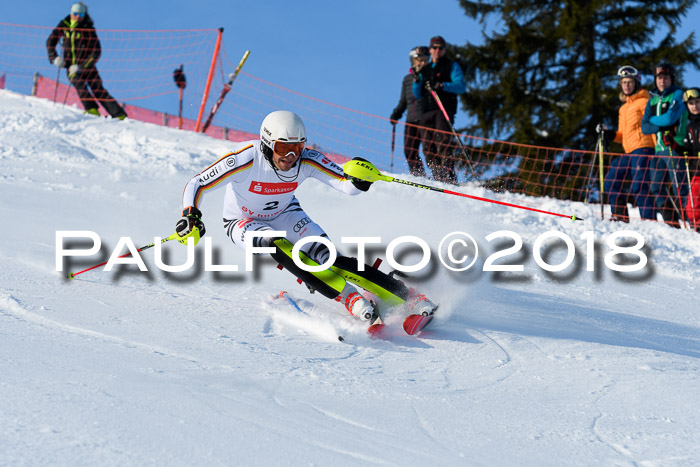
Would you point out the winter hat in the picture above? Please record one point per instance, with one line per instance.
(437, 40)
(666, 68)
(78, 8)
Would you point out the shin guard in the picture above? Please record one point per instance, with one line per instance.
(388, 289)
(327, 282)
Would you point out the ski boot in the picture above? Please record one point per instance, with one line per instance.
(419, 304)
(359, 306)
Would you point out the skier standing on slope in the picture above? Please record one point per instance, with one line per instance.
(261, 177)
(81, 51)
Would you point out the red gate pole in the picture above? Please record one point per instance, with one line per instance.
(209, 78)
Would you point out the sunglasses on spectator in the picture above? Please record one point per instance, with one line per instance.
(437, 47)
(82, 15)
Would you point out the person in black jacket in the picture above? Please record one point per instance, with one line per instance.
(443, 77)
(81, 50)
(407, 102)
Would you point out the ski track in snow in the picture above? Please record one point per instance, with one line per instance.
(124, 367)
(11, 305)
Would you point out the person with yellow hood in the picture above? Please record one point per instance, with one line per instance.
(81, 51)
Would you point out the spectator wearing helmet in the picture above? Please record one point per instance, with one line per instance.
(665, 113)
(81, 51)
(691, 152)
(632, 166)
(261, 177)
(407, 102)
(444, 77)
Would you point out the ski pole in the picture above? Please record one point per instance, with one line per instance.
(295, 305)
(601, 176)
(65, 97)
(55, 89)
(58, 77)
(292, 302)
(459, 142)
(690, 192)
(172, 237)
(673, 203)
(393, 138)
(368, 172)
(676, 186)
(224, 91)
(591, 166)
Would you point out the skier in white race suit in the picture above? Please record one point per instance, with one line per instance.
(261, 177)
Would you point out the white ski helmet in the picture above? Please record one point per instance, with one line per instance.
(78, 8)
(418, 51)
(282, 125)
(629, 72)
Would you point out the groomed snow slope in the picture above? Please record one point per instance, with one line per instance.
(203, 368)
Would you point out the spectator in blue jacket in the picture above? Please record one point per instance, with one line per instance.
(444, 77)
(666, 113)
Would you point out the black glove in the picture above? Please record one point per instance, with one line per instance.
(191, 218)
(362, 185)
(435, 84)
(415, 73)
(395, 115)
(669, 141)
(426, 72)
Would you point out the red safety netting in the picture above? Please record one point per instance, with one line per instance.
(567, 174)
(137, 68)
(46, 88)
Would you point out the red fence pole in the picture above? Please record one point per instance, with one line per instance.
(209, 78)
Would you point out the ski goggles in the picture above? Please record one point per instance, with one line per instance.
(82, 15)
(692, 93)
(627, 72)
(282, 148)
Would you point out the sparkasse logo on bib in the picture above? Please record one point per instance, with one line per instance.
(263, 188)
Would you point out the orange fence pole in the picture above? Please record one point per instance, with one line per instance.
(209, 78)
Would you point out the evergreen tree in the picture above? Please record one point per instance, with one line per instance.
(546, 73)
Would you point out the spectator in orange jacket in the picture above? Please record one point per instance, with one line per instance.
(631, 166)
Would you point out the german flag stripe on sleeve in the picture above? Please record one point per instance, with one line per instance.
(225, 156)
(326, 170)
(234, 171)
(218, 181)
